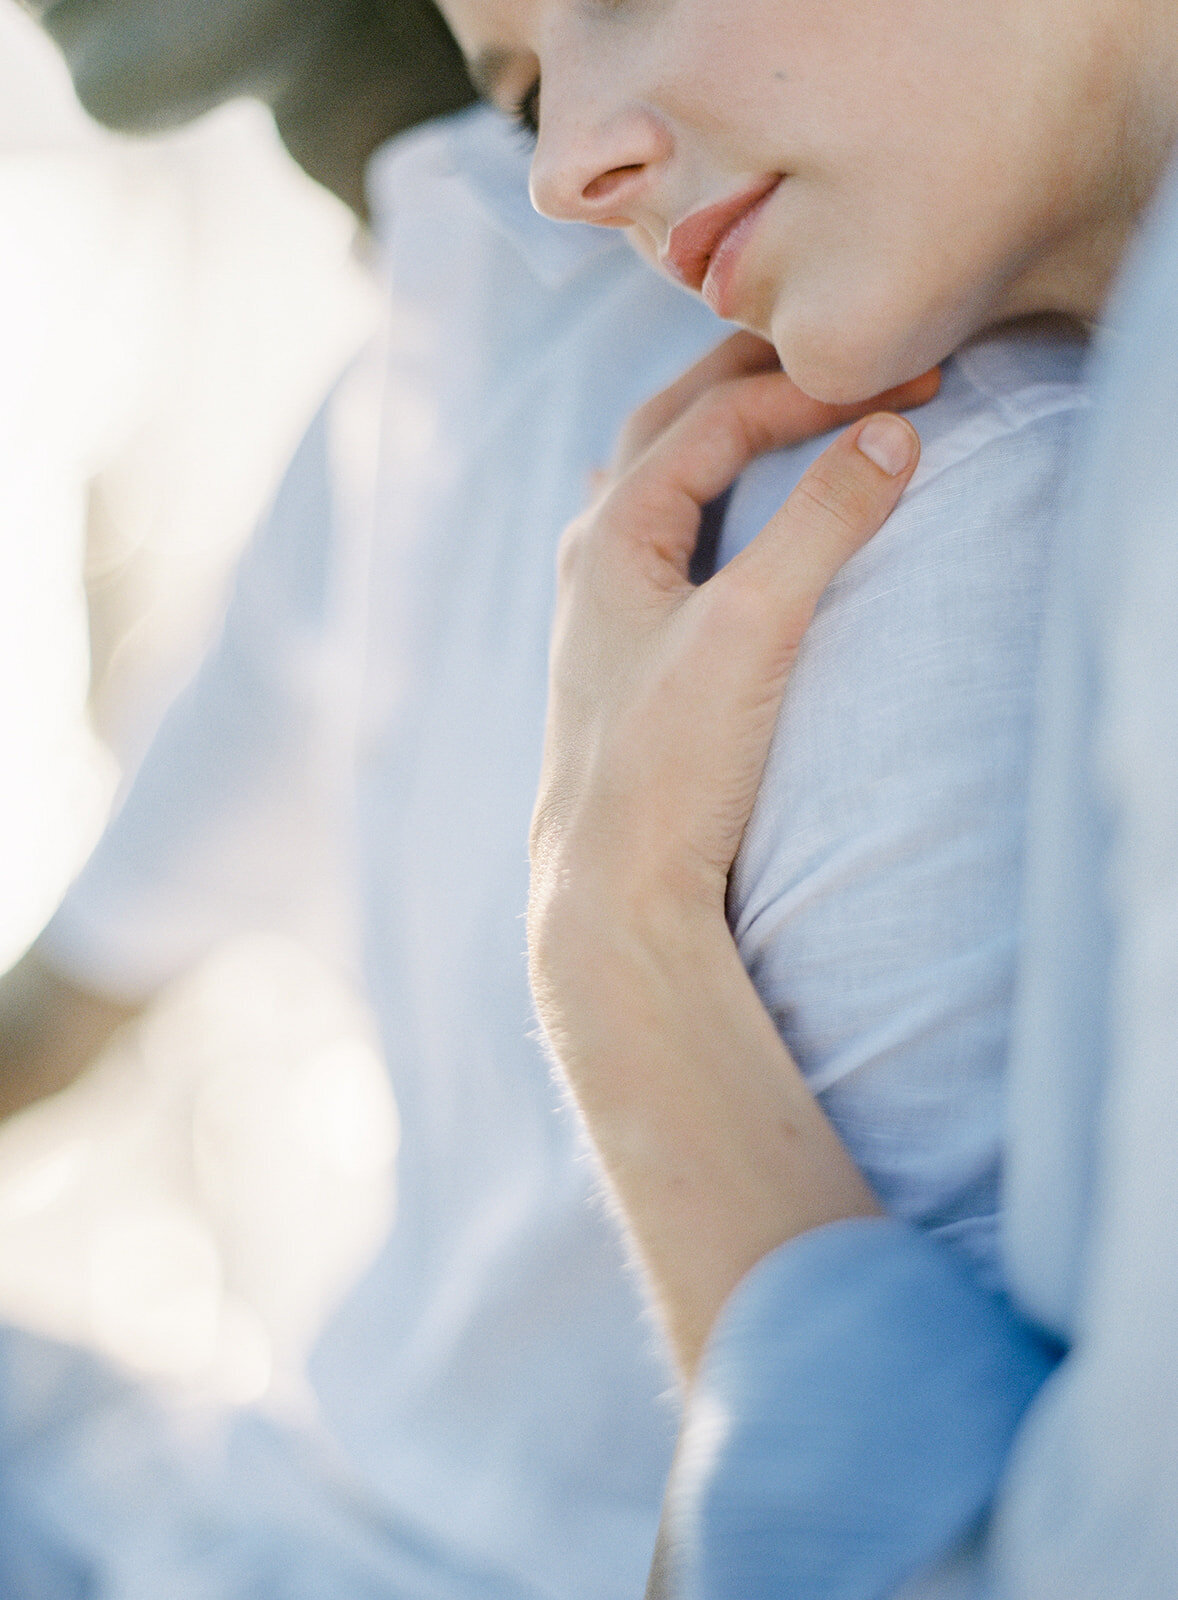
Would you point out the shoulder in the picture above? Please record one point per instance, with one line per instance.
(921, 658)
(1004, 389)
(995, 445)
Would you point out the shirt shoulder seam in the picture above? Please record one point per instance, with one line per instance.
(1053, 400)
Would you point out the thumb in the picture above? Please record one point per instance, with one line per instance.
(842, 500)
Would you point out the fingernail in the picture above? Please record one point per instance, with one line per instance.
(889, 442)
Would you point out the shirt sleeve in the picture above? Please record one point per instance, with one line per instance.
(234, 821)
(806, 1474)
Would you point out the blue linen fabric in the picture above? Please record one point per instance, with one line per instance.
(360, 751)
(875, 898)
(759, 1477)
(845, 1372)
(112, 1491)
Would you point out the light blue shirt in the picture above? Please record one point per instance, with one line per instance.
(868, 1413)
(374, 712)
(875, 897)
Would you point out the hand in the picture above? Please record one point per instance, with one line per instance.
(663, 696)
(663, 702)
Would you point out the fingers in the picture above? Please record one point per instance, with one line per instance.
(729, 423)
(658, 504)
(840, 503)
(905, 397)
(712, 428)
(741, 355)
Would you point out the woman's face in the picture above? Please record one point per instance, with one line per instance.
(865, 182)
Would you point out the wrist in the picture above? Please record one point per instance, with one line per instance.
(709, 1136)
(607, 955)
(587, 910)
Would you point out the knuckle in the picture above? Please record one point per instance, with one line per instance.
(719, 406)
(738, 601)
(768, 618)
(718, 423)
(595, 537)
(835, 499)
(644, 427)
(740, 413)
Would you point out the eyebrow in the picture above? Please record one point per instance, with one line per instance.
(487, 70)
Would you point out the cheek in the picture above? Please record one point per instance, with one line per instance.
(867, 294)
(732, 70)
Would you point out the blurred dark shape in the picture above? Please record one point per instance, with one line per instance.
(341, 76)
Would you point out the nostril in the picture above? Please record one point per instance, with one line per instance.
(607, 184)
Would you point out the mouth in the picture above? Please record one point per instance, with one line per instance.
(703, 250)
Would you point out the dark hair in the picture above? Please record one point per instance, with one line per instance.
(414, 34)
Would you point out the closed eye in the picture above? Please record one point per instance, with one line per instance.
(526, 111)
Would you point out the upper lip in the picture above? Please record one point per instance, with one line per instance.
(693, 242)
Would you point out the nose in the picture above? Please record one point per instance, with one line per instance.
(595, 163)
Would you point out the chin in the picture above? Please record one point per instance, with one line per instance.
(824, 367)
(842, 359)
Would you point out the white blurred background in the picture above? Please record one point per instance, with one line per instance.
(171, 314)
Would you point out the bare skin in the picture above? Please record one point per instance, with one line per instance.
(890, 180)
(645, 123)
(921, 169)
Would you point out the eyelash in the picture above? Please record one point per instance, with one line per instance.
(526, 111)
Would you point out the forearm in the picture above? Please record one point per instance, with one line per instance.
(709, 1137)
(851, 1391)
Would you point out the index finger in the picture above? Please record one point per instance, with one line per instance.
(736, 357)
(744, 355)
(659, 503)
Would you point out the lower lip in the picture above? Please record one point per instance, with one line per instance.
(717, 285)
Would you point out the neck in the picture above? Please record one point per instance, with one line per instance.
(1121, 108)
(1155, 131)
(1135, 85)
(370, 73)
